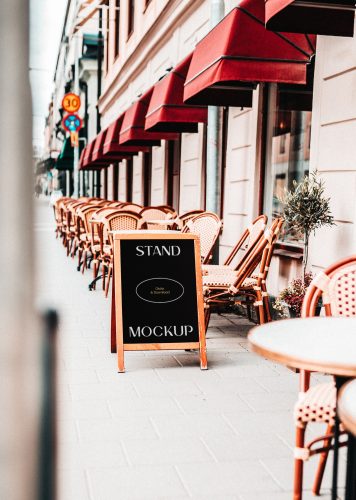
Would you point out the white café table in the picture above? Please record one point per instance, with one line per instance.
(326, 345)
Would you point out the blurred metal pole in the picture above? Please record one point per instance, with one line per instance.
(76, 91)
(19, 333)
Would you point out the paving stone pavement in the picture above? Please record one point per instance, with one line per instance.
(164, 429)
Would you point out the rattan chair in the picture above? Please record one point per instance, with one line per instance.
(157, 213)
(245, 245)
(122, 220)
(207, 226)
(184, 218)
(132, 207)
(336, 286)
(84, 217)
(58, 215)
(230, 288)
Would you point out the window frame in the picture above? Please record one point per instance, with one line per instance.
(284, 247)
(130, 18)
(117, 29)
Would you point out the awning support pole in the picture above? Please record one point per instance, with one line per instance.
(213, 133)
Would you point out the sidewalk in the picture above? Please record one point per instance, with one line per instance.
(164, 429)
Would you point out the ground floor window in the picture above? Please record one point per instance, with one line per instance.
(287, 153)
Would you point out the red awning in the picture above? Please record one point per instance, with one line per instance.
(87, 155)
(167, 111)
(111, 142)
(322, 17)
(81, 159)
(297, 97)
(132, 130)
(239, 52)
(98, 146)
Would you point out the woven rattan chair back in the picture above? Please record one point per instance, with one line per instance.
(155, 213)
(247, 242)
(124, 220)
(207, 226)
(336, 285)
(184, 218)
(132, 207)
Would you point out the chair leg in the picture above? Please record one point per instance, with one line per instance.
(207, 314)
(104, 275)
(80, 253)
(84, 260)
(108, 281)
(298, 465)
(322, 463)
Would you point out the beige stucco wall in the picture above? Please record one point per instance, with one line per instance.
(158, 175)
(137, 193)
(241, 177)
(122, 181)
(333, 145)
(191, 171)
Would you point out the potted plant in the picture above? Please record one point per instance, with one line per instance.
(306, 209)
(290, 300)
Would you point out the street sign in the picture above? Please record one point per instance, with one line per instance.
(72, 122)
(157, 293)
(71, 103)
(74, 139)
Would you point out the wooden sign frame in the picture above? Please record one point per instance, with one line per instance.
(117, 340)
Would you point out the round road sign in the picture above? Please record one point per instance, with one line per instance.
(71, 102)
(72, 122)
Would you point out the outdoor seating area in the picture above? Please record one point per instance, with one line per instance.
(85, 226)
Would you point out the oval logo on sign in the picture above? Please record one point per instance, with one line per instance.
(159, 290)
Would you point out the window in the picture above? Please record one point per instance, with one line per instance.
(287, 153)
(131, 17)
(117, 27)
(107, 37)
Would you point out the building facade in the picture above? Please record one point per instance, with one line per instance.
(262, 147)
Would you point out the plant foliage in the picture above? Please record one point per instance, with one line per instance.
(306, 208)
(292, 297)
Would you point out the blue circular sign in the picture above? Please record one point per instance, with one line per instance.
(72, 122)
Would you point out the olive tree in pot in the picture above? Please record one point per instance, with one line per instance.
(306, 209)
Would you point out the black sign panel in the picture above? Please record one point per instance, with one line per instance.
(158, 291)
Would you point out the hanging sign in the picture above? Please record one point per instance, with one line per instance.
(72, 122)
(74, 139)
(157, 298)
(71, 102)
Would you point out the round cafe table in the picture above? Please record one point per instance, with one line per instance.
(326, 345)
(347, 413)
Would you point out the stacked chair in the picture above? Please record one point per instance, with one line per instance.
(85, 224)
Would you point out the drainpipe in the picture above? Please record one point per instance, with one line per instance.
(98, 117)
(213, 132)
(76, 91)
(213, 144)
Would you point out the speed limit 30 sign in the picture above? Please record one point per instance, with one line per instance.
(71, 102)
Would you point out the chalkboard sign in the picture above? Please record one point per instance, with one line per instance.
(157, 293)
